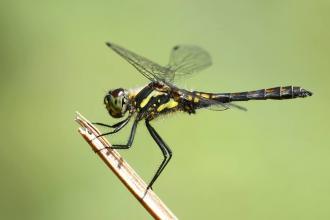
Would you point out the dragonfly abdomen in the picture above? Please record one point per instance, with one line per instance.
(279, 93)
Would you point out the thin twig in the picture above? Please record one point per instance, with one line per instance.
(123, 171)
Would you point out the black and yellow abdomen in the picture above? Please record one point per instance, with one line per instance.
(278, 93)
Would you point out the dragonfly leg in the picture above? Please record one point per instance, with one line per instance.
(114, 125)
(117, 127)
(130, 139)
(167, 153)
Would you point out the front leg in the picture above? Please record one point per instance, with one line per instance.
(112, 126)
(130, 138)
(117, 127)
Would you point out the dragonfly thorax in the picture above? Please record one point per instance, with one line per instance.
(117, 102)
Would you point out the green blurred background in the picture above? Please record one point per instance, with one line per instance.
(271, 162)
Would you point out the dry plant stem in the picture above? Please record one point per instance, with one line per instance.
(123, 171)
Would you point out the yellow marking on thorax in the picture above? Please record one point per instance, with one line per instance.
(147, 99)
(170, 104)
(196, 99)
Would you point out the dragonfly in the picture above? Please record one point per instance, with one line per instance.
(161, 96)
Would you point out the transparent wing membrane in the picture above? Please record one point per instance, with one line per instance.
(184, 60)
(215, 105)
(146, 67)
(225, 106)
(188, 59)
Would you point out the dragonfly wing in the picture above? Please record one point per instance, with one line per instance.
(225, 106)
(214, 105)
(148, 68)
(210, 104)
(202, 102)
(188, 59)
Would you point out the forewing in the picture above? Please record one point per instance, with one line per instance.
(188, 59)
(146, 67)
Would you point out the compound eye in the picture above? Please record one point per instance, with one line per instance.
(106, 101)
(118, 102)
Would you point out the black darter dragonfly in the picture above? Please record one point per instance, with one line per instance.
(162, 97)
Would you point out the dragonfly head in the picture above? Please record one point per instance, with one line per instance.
(117, 103)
